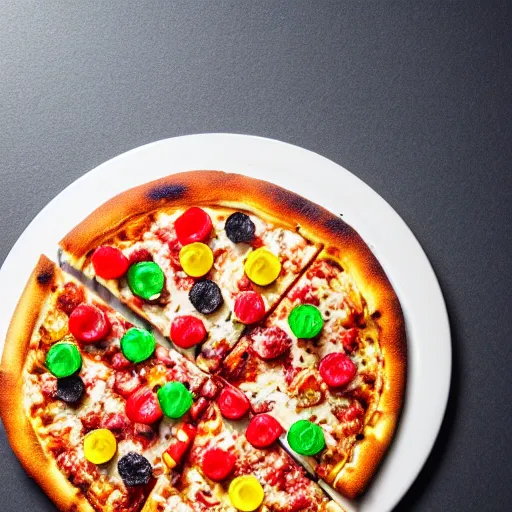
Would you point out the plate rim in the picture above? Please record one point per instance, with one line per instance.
(256, 148)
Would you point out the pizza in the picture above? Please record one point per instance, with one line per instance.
(277, 344)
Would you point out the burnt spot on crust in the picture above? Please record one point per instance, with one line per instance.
(45, 276)
(339, 227)
(296, 203)
(167, 192)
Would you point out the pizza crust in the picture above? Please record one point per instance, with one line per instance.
(21, 435)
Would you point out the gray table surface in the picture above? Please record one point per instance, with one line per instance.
(412, 97)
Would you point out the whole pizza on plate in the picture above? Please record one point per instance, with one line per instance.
(287, 351)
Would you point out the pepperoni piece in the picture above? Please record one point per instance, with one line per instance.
(88, 323)
(187, 331)
(142, 407)
(218, 464)
(109, 262)
(233, 403)
(263, 430)
(194, 225)
(270, 342)
(337, 369)
(249, 307)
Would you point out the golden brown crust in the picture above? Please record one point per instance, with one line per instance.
(20, 433)
(341, 243)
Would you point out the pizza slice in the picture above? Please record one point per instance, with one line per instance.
(223, 470)
(188, 257)
(324, 368)
(88, 400)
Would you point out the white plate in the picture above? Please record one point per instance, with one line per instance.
(325, 183)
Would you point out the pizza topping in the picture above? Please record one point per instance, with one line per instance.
(175, 399)
(337, 369)
(146, 280)
(305, 321)
(304, 294)
(196, 259)
(206, 296)
(134, 469)
(70, 298)
(137, 344)
(143, 434)
(246, 493)
(306, 438)
(140, 255)
(99, 446)
(218, 464)
(126, 382)
(194, 225)
(198, 408)
(352, 418)
(209, 389)
(262, 267)
(349, 339)
(70, 389)
(233, 403)
(249, 307)
(142, 407)
(119, 362)
(263, 430)
(63, 359)
(307, 388)
(109, 262)
(270, 342)
(187, 331)
(115, 422)
(240, 228)
(179, 445)
(244, 284)
(88, 324)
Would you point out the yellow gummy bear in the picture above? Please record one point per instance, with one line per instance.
(99, 446)
(246, 493)
(262, 267)
(196, 259)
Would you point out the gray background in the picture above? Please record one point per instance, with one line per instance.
(412, 97)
